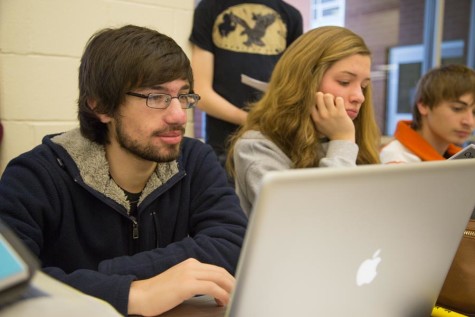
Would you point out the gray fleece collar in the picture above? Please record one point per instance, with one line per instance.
(91, 161)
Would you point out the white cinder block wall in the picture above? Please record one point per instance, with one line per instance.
(41, 42)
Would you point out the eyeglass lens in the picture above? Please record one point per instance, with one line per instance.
(164, 100)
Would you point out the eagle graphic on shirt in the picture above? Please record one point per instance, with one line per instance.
(250, 28)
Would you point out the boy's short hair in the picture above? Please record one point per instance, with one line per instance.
(445, 83)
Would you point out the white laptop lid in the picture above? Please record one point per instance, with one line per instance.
(311, 229)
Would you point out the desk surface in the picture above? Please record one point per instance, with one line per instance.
(201, 306)
(64, 299)
(53, 298)
(205, 306)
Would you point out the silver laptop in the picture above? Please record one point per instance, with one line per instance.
(372, 241)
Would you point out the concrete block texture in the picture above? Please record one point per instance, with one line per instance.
(41, 42)
(38, 87)
(22, 136)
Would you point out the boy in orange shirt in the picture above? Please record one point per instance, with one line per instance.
(443, 117)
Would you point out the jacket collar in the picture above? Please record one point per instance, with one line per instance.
(418, 145)
(93, 167)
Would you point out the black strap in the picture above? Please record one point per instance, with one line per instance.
(133, 199)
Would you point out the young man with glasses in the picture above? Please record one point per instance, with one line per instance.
(126, 208)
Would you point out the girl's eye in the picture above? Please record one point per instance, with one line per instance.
(343, 83)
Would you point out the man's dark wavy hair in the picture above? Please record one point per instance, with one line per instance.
(116, 61)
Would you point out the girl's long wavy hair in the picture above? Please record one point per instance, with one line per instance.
(283, 113)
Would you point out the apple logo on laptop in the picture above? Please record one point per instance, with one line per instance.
(367, 270)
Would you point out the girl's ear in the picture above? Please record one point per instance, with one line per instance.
(104, 118)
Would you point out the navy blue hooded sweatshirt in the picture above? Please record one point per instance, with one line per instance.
(61, 201)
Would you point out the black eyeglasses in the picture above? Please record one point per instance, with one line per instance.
(162, 101)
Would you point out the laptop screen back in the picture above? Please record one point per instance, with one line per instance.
(367, 241)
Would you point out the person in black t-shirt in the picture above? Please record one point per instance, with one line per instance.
(232, 38)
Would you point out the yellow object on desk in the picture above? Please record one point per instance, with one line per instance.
(439, 311)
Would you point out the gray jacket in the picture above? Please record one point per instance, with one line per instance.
(255, 155)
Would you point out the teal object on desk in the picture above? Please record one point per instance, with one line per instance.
(12, 266)
(17, 266)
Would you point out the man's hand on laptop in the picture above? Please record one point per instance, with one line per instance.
(161, 293)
